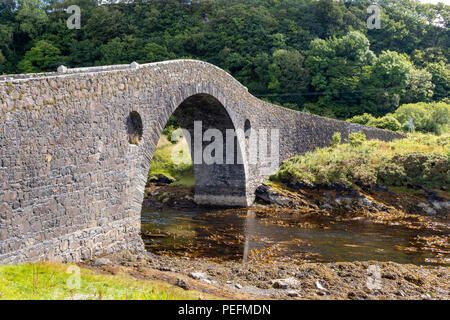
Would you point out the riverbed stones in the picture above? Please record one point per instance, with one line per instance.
(182, 284)
(199, 275)
(287, 283)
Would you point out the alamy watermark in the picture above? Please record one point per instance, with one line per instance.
(74, 21)
(374, 21)
(212, 146)
(373, 281)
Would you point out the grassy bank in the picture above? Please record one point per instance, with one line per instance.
(163, 162)
(418, 161)
(50, 281)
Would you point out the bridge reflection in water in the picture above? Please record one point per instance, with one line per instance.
(249, 235)
(249, 230)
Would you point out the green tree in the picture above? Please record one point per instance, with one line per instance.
(440, 72)
(361, 119)
(339, 67)
(31, 16)
(420, 86)
(391, 75)
(287, 73)
(44, 56)
(418, 112)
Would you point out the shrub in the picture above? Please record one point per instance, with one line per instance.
(361, 119)
(419, 161)
(356, 139)
(440, 117)
(335, 139)
(390, 173)
(416, 111)
(424, 170)
(387, 122)
(427, 117)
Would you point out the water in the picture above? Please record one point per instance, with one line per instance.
(247, 234)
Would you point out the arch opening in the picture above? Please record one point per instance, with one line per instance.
(135, 129)
(210, 134)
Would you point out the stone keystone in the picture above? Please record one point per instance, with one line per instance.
(62, 69)
(134, 65)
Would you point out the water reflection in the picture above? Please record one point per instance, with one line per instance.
(242, 235)
(249, 230)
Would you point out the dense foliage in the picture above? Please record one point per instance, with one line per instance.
(317, 56)
(419, 161)
(426, 117)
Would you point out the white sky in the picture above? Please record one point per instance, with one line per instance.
(447, 2)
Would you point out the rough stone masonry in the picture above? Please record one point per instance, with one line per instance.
(76, 147)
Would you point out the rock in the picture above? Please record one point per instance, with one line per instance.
(134, 65)
(427, 209)
(326, 206)
(182, 284)
(427, 296)
(100, 262)
(237, 285)
(62, 69)
(265, 193)
(161, 179)
(288, 283)
(166, 269)
(319, 286)
(198, 275)
(292, 293)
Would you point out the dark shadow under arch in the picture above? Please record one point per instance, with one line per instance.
(215, 184)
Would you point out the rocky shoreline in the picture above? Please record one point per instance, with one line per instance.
(232, 280)
(339, 200)
(287, 280)
(335, 200)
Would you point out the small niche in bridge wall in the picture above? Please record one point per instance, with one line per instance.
(247, 128)
(134, 128)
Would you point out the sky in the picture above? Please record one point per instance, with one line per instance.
(447, 2)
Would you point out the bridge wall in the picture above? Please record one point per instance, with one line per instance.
(71, 184)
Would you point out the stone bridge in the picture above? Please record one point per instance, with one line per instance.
(76, 147)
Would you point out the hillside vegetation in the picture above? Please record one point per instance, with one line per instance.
(317, 56)
(425, 117)
(418, 161)
(163, 162)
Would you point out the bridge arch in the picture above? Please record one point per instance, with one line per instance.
(219, 183)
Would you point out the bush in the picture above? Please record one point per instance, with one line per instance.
(440, 117)
(419, 161)
(361, 119)
(356, 139)
(427, 117)
(390, 173)
(336, 139)
(424, 170)
(387, 122)
(418, 112)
